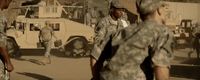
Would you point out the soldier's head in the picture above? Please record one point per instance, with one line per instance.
(149, 9)
(116, 9)
(4, 4)
(47, 23)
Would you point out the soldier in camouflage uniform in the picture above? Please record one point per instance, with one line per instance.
(5, 63)
(45, 37)
(105, 28)
(132, 45)
(195, 41)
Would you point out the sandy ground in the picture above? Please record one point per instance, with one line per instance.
(63, 68)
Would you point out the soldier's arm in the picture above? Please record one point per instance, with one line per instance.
(53, 34)
(100, 32)
(163, 55)
(161, 73)
(39, 36)
(8, 64)
(92, 63)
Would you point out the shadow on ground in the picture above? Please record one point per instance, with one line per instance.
(40, 52)
(189, 72)
(34, 61)
(35, 76)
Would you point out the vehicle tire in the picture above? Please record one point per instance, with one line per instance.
(13, 48)
(77, 47)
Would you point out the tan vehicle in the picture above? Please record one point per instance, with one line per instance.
(183, 34)
(76, 37)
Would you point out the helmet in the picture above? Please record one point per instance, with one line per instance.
(116, 4)
(147, 6)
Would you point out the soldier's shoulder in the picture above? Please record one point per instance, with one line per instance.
(131, 26)
(164, 28)
(128, 31)
(104, 20)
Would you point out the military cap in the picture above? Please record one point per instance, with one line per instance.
(148, 6)
(116, 4)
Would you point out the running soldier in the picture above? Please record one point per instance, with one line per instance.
(134, 44)
(45, 37)
(5, 63)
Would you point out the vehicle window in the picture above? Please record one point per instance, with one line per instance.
(55, 26)
(34, 27)
(20, 26)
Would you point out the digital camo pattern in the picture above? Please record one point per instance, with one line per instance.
(125, 63)
(2, 32)
(46, 37)
(2, 24)
(46, 33)
(4, 75)
(104, 29)
(3, 37)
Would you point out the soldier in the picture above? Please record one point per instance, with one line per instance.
(88, 17)
(150, 38)
(195, 41)
(105, 28)
(92, 16)
(45, 37)
(5, 63)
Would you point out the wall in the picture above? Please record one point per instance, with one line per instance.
(184, 11)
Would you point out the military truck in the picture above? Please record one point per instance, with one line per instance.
(76, 37)
(183, 34)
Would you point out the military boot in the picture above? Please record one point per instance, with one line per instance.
(46, 60)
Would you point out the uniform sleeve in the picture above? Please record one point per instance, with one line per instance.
(164, 53)
(2, 40)
(99, 40)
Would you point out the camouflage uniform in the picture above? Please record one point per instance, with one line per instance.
(125, 63)
(45, 36)
(3, 73)
(103, 31)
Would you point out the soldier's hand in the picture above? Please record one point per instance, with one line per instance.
(9, 67)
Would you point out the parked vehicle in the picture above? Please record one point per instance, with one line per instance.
(74, 34)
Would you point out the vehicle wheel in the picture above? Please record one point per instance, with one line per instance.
(13, 49)
(76, 48)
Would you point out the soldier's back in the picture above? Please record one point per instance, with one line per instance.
(46, 33)
(126, 62)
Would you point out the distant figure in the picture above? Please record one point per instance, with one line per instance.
(92, 17)
(195, 41)
(5, 63)
(76, 15)
(45, 37)
(87, 17)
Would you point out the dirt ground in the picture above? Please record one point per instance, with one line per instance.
(63, 68)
